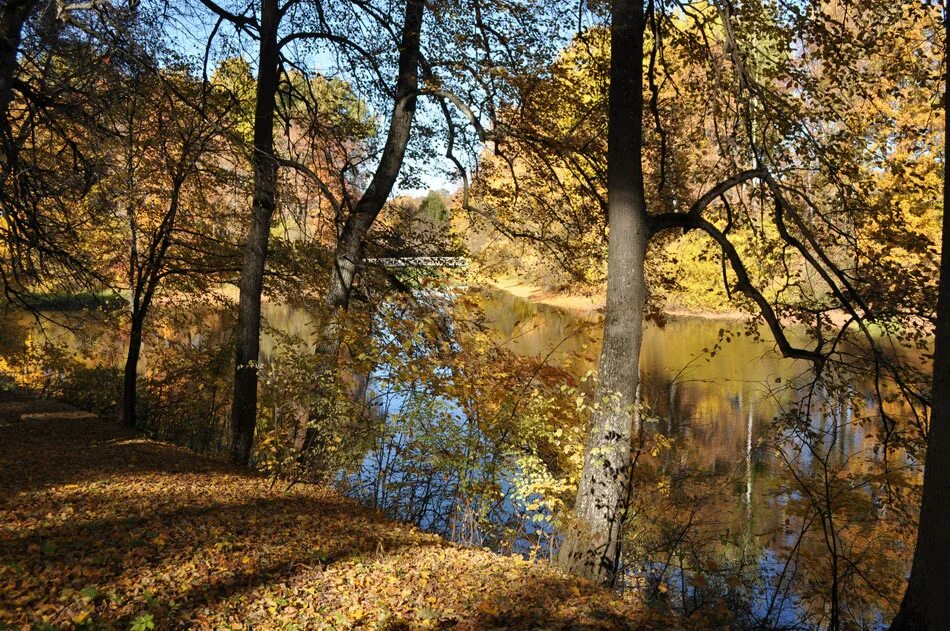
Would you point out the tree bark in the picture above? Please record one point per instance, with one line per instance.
(130, 377)
(247, 351)
(350, 245)
(926, 603)
(12, 20)
(591, 547)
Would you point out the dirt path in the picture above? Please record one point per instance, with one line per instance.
(102, 529)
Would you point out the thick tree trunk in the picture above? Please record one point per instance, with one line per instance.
(244, 407)
(591, 547)
(926, 603)
(12, 19)
(130, 377)
(349, 252)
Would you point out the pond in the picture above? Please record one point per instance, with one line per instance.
(746, 514)
(736, 527)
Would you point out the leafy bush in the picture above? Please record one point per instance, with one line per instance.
(185, 396)
(297, 397)
(97, 389)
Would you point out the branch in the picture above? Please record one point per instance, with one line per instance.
(689, 221)
(463, 107)
(240, 21)
(305, 170)
(332, 37)
(658, 223)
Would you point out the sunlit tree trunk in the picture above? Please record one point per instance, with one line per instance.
(591, 547)
(350, 245)
(244, 407)
(926, 603)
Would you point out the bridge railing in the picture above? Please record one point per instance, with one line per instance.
(419, 261)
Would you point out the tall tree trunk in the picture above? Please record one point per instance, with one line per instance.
(12, 19)
(926, 603)
(349, 251)
(130, 377)
(591, 547)
(244, 407)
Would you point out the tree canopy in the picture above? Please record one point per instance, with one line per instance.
(274, 232)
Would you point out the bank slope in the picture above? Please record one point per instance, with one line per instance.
(102, 529)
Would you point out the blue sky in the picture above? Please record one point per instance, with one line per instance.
(188, 29)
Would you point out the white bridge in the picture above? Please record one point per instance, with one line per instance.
(420, 261)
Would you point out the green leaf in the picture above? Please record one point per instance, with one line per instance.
(89, 593)
(145, 622)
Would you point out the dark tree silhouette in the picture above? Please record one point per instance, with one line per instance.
(926, 603)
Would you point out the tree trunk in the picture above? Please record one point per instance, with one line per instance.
(12, 20)
(926, 603)
(591, 547)
(244, 407)
(130, 378)
(349, 252)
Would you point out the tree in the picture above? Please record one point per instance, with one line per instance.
(352, 238)
(264, 200)
(163, 146)
(783, 168)
(48, 95)
(592, 546)
(12, 19)
(280, 29)
(926, 603)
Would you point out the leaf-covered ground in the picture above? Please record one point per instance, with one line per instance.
(102, 529)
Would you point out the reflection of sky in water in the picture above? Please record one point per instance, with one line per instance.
(718, 406)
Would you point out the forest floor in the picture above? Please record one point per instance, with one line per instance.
(100, 528)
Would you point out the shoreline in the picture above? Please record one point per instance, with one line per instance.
(586, 304)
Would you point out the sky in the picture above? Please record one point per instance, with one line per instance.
(188, 29)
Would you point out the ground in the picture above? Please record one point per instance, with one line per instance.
(100, 528)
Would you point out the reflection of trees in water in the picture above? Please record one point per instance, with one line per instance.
(749, 506)
(450, 435)
(722, 519)
(781, 512)
(823, 512)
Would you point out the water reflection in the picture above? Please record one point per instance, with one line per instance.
(714, 402)
(728, 468)
(793, 482)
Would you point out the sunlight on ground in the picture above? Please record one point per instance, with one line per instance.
(101, 529)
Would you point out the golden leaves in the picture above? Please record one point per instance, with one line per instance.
(109, 532)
